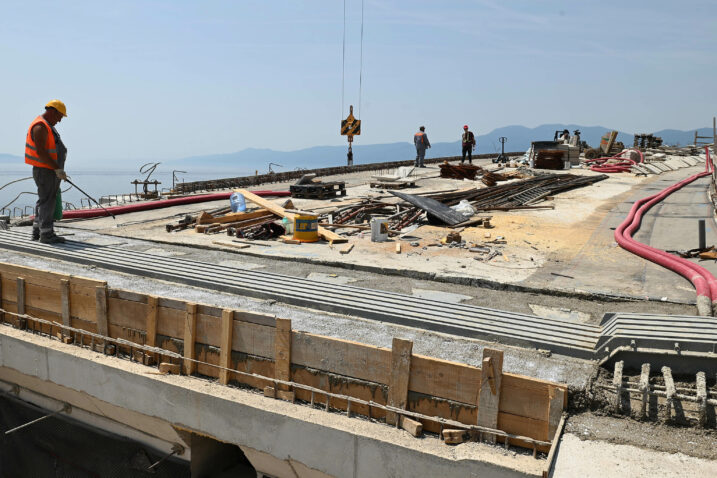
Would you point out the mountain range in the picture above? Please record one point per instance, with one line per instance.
(519, 139)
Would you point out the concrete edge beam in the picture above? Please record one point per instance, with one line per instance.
(330, 443)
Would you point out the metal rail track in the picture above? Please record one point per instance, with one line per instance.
(465, 320)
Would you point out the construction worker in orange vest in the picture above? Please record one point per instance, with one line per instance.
(46, 152)
(420, 140)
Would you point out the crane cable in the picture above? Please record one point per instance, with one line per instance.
(343, 63)
(361, 62)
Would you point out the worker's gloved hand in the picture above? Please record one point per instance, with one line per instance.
(61, 173)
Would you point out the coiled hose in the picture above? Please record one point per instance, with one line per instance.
(617, 163)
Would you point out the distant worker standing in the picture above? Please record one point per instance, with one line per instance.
(45, 151)
(420, 140)
(469, 144)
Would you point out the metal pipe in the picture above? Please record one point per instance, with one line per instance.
(66, 408)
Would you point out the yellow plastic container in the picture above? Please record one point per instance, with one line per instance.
(306, 228)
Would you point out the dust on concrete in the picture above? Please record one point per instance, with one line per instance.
(700, 443)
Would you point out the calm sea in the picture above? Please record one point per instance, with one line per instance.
(22, 195)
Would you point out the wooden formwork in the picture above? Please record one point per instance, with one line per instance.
(210, 338)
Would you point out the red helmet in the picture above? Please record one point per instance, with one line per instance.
(465, 126)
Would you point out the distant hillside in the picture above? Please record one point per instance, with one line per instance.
(519, 139)
(676, 137)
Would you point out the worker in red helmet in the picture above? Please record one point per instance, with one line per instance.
(469, 144)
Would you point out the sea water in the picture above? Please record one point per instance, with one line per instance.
(96, 183)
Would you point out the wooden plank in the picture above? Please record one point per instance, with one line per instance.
(151, 320)
(127, 313)
(555, 410)
(442, 378)
(65, 299)
(190, 334)
(325, 234)
(169, 368)
(400, 374)
(550, 462)
(225, 356)
(413, 427)
(526, 396)
(101, 307)
(231, 217)
(490, 390)
(20, 295)
(42, 297)
(523, 426)
(282, 352)
(83, 303)
(341, 357)
(453, 437)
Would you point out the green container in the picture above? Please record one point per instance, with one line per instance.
(58, 205)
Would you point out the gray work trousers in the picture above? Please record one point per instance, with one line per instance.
(47, 185)
(420, 155)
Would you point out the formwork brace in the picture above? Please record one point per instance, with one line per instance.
(476, 430)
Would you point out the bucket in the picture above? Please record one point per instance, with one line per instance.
(306, 228)
(379, 230)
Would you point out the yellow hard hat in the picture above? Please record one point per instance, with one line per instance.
(58, 105)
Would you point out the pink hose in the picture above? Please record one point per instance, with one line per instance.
(148, 205)
(704, 282)
(621, 167)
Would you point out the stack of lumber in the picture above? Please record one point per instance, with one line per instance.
(209, 224)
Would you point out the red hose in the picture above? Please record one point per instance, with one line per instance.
(146, 206)
(622, 166)
(704, 282)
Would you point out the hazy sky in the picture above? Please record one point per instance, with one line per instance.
(166, 79)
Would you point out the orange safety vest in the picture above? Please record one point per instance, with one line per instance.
(31, 156)
(420, 135)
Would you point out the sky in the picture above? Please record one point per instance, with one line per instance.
(156, 80)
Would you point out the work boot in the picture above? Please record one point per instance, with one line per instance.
(35, 234)
(51, 238)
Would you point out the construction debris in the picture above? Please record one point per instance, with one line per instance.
(434, 208)
(318, 190)
(459, 171)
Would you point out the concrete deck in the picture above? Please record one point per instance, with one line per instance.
(574, 240)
